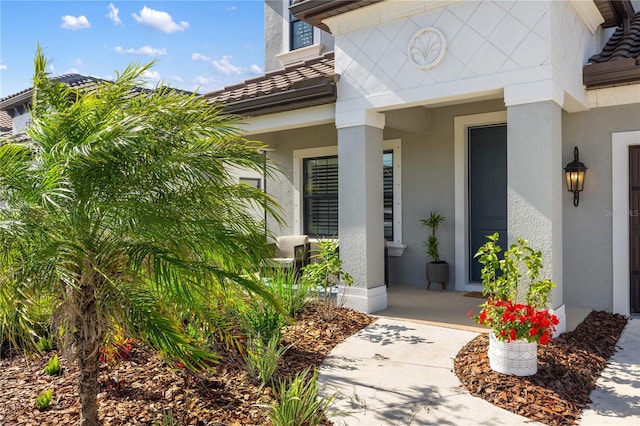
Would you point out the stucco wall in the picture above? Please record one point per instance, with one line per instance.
(587, 229)
(20, 122)
(273, 37)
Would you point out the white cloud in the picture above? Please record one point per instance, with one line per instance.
(201, 81)
(113, 14)
(3, 67)
(232, 8)
(255, 69)
(72, 71)
(52, 68)
(74, 23)
(78, 62)
(144, 50)
(159, 20)
(223, 66)
(199, 57)
(178, 79)
(152, 77)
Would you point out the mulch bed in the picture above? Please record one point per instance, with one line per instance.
(138, 390)
(568, 368)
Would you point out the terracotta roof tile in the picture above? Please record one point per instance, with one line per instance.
(276, 81)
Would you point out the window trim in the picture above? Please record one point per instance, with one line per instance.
(396, 248)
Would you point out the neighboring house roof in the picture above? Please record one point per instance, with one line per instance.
(300, 85)
(75, 81)
(314, 11)
(23, 97)
(619, 61)
(6, 124)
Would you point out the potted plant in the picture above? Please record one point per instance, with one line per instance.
(517, 322)
(437, 270)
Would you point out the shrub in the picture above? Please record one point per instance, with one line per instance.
(325, 273)
(509, 314)
(299, 403)
(293, 294)
(44, 399)
(264, 320)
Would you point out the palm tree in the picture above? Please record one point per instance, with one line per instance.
(122, 208)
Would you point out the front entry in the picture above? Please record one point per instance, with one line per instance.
(634, 227)
(487, 189)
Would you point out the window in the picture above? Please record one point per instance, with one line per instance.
(300, 32)
(321, 196)
(387, 175)
(255, 182)
(317, 171)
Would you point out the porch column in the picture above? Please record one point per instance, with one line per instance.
(535, 186)
(360, 214)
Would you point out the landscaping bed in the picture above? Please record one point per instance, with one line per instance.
(139, 390)
(568, 368)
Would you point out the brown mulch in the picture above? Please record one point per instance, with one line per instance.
(568, 368)
(137, 391)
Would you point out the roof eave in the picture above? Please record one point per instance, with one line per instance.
(283, 101)
(611, 73)
(314, 11)
(20, 99)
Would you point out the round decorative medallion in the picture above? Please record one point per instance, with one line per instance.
(426, 48)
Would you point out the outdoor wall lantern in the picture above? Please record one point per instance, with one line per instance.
(574, 173)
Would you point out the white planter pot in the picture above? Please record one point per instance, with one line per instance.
(519, 358)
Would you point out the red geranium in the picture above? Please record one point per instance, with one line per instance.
(516, 321)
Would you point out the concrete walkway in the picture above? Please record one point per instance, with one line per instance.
(401, 373)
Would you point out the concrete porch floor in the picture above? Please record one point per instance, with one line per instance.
(446, 308)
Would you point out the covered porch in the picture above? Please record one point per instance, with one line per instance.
(447, 308)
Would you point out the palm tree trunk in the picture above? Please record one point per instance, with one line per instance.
(88, 338)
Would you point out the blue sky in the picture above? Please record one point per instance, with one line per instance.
(206, 44)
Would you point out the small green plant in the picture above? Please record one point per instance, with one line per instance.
(325, 272)
(262, 359)
(298, 401)
(45, 344)
(293, 294)
(264, 320)
(44, 399)
(167, 419)
(53, 366)
(431, 245)
(502, 279)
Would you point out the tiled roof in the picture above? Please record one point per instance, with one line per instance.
(23, 97)
(619, 61)
(6, 123)
(76, 81)
(307, 83)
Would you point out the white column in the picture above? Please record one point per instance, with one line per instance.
(360, 204)
(535, 186)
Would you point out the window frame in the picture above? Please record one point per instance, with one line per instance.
(290, 24)
(299, 155)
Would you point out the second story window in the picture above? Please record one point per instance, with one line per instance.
(300, 33)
